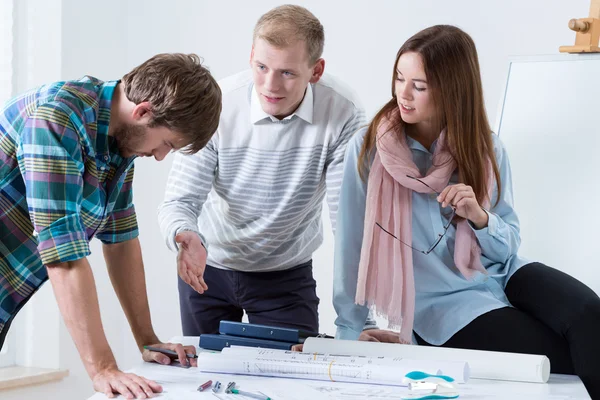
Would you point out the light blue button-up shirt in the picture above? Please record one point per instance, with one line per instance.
(445, 301)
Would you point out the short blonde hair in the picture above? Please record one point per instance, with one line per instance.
(286, 24)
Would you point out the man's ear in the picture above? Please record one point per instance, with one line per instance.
(317, 71)
(142, 112)
(251, 56)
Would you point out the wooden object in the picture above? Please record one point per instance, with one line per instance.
(588, 32)
(12, 377)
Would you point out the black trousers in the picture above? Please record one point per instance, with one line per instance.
(554, 315)
(280, 298)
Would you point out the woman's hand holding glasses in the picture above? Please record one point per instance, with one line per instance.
(462, 198)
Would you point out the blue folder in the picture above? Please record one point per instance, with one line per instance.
(218, 342)
(265, 332)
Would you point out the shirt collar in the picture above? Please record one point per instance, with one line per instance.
(304, 110)
(416, 145)
(105, 96)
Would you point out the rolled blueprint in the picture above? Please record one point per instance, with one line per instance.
(356, 369)
(483, 364)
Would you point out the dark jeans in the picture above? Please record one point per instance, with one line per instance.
(279, 298)
(554, 315)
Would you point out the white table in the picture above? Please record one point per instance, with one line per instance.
(181, 384)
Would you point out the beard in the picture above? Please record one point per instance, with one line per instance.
(129, 139)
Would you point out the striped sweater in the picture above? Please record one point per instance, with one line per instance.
(254, 194)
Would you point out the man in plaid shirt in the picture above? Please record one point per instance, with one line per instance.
(66, 170)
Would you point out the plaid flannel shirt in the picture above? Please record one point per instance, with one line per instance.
(62, 182)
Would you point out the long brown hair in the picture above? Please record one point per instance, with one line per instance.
(452, 70)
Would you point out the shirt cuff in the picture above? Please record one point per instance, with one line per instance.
(344, 333)
(188, 229)
(64, 240)
(121, 227)
(490, 230)
(113, 238)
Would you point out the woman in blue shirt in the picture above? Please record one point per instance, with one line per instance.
(427, 233)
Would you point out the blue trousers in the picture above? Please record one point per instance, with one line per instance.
(280, 298)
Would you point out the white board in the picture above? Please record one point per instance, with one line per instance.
(549, 122)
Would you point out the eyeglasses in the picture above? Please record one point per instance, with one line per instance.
(440, 236)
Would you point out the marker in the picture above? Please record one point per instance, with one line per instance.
(253, 395)
(204, 386)
(229, 387)
(169, 352)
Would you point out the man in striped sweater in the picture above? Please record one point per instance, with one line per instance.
(244, 213)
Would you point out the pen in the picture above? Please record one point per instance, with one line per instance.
(204, 386)
(217, 387)
(169, 352)
(248, 394)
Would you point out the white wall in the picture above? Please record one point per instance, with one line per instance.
(107, 38)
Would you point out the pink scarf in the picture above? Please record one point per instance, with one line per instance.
(385, 274)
